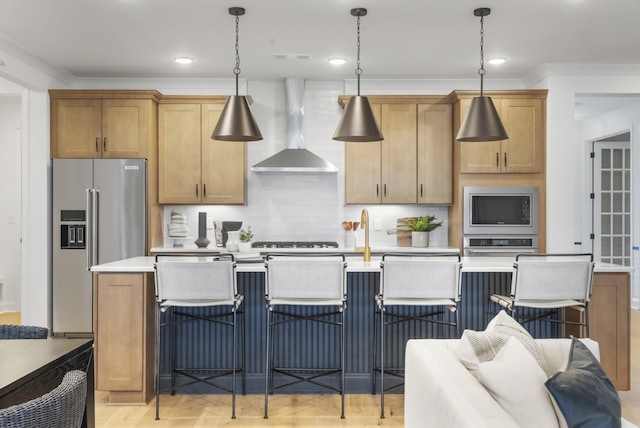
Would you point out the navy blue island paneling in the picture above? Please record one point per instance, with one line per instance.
(317, 345)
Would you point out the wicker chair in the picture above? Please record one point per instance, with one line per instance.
(63, 407)
(8, 331)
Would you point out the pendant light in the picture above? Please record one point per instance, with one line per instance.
(236, 122)
(358, 123)
(482, 122)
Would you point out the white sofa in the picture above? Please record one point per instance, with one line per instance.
(441, 392)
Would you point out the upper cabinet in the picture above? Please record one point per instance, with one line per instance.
(435, 154)
(523, 116)
(102, 124)
(413, 162)
(193, 168)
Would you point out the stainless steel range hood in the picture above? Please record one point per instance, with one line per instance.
(295, 158)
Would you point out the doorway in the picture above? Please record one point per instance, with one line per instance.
(11, 207)
(611, 201)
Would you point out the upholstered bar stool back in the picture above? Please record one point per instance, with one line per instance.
(198, 282)
(550, 282)
(304, 280)
(429, 281)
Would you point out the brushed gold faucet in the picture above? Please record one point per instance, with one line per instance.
(364, 224)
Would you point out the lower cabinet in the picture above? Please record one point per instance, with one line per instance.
(609, 325)
(125, 326)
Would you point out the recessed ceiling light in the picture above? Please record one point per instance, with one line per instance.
(496, 61)
(337, 61)
(183, 60)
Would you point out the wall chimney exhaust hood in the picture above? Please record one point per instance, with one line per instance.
(294, 158)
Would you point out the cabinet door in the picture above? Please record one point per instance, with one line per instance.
(523, 151)
(224, 163)
(399, 151)
(479, 157)
(124, 128)
(179, 137)
(120, 333)
(435, 154)
(362, 173)
(77, 128)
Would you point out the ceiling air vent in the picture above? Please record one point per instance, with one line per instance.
(293, 56)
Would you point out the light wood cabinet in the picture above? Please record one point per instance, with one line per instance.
(435, 154)
(193, 168)
(609, 324)
(125, 326)
(523, 113)
(413, 162)
(523, 152)
(94, 124)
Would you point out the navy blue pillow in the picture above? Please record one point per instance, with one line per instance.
(583, 393)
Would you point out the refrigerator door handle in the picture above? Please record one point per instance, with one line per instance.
(94, 224)
(89, 229)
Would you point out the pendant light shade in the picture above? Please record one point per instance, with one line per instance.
(236, 123)
(482, 122)
(358, 123)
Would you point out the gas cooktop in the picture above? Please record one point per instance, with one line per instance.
(294, 244)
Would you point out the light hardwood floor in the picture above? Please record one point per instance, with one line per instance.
(297, 410)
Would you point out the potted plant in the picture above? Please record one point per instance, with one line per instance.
(246, 236)
(420, 228)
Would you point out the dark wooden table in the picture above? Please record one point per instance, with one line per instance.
(30, 368)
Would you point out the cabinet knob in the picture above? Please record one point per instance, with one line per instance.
(197, 194)
(497, 159)
(204, 190)
(421, 190)
(377, 190)
(505, 158)
(104, 144)
(97, 144)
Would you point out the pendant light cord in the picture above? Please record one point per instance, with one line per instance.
(236, 70)
(358, 69)
(481, 71)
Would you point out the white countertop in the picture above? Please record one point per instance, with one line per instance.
(251, 262)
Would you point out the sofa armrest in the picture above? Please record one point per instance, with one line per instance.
(440, 391)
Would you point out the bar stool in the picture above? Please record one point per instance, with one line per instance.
(550, 282)
(418, 280)
(185, 283)
(304, 280)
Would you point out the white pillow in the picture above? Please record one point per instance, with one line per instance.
(480, 346)
(516, 381)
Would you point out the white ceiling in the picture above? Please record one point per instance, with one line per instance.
(402, 39)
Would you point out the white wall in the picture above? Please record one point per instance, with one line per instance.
(10, 209)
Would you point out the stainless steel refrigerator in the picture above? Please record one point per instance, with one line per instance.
(99, 216)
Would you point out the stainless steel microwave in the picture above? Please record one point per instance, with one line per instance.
(500, 210)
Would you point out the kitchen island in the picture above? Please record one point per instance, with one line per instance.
(124, 321)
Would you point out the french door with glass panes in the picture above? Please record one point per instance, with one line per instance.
(612, 202)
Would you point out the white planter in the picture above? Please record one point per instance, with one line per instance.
(419, 239)
(244, 247)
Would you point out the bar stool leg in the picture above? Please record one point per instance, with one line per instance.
(173, 340)
(342, 363)
(158, 364)
(233, 370)
(267, 367)
(375, 350)
(382, 362)
(244, 353)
